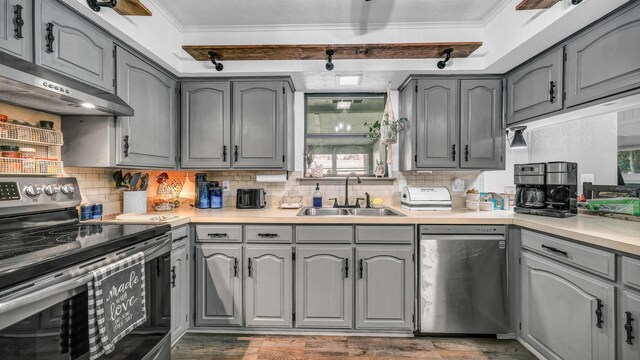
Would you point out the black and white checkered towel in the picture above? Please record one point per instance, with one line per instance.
(109, 319)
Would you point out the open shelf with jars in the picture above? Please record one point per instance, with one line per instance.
(30, 150)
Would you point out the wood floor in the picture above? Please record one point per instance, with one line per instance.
(254, 347)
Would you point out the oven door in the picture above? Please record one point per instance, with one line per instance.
(49, 319)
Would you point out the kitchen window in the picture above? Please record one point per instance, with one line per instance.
(629, 146)
(336, 133)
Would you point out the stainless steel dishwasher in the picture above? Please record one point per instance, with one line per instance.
(463, 279)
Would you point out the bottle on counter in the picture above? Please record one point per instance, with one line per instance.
(216, 195)
(317, 197)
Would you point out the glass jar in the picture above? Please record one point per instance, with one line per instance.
(163, 201)
(216, 197)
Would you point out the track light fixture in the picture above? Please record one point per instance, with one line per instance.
(443, 63)
(96, 5)
(517, 141)
(213, 56)
(329, 65)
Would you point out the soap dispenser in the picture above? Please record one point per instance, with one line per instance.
(317, 197)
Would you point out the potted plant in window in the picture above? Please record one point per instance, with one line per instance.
(386, 130)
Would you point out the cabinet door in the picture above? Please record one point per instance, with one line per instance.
(268, 286)
(75, 48)
(148, 138)
(437, 124)
(559, 311)
(219, 285)
(258, 124)
(629, 310)
(179, 288)
(603, 60)
(536, 88)
(482, 133)
(162, 280)
(324, 287)
(206, 125)
(14, 39)
(384, 287)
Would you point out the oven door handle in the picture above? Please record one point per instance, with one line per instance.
(15, 309)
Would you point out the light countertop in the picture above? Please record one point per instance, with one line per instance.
(619, 235)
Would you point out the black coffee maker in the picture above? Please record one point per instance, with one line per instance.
(562, 189)
(547, 189)
(531, 188)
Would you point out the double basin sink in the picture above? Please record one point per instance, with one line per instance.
(378, 212)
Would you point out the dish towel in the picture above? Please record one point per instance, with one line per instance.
(116, 303)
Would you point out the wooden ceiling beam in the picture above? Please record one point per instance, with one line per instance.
(132, 8)
(535, 4)
(343, 51)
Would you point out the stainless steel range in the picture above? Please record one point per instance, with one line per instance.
(46, 259)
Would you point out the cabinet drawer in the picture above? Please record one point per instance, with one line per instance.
(589, 259)
(384, 234)
(631, 272)
(324, 234)
(269, 234)
(179, 236)
(219, 233)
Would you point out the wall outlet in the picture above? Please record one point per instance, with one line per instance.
(457, 185)
(225, 185)
(586, 178)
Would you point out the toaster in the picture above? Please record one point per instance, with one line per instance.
(251, 199)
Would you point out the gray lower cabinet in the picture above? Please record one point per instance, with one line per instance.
(628, 325)
(206, 125)
(384, 287)
(16, 28)
(560, 308)
(218, 285)
(482, 142)
(437, 123)
(324, 286)
(536, 88)
(268, 286)
(68, 44)
(591, 73)
(149, 137)
(258, 124)
(179, 287)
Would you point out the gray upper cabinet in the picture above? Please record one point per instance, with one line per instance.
(324, 286)
(66, 43)
(268, 286)
(218, 285)
(149, 137)
(629, 336)
(482, 142)
(560, 309)
(437, 123)
(258, 124)
(384, 287)
(16, 37)
(603, 60)
(536, 88)
(206, 125)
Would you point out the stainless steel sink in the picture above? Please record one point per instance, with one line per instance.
(375, 212)
(381, 212)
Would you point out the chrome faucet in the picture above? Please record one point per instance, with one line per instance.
(346, 189)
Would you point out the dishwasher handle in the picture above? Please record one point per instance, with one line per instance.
(462, 237)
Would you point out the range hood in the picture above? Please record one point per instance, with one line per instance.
(28, 85)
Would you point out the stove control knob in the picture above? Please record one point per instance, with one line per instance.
(52, 189)
(33, 190)
(67, 189)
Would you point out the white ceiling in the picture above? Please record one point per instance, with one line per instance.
(251, 13)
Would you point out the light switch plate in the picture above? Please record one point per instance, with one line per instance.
(457, 185)
(225, 185)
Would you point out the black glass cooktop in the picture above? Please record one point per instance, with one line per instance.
(30, 253)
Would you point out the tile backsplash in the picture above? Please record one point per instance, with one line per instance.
(97, 186)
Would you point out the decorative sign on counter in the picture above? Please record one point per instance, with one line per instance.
(116, 303)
